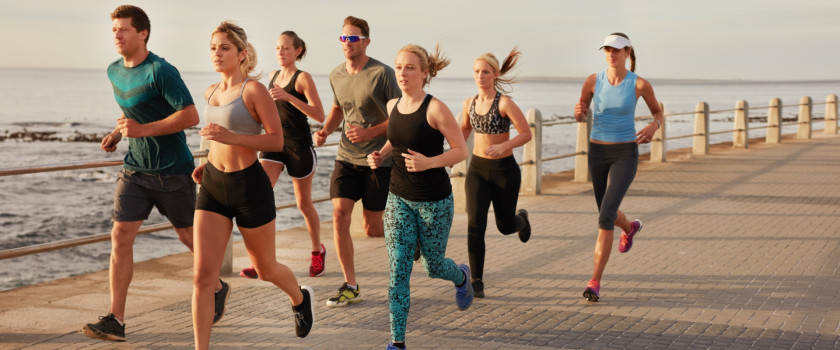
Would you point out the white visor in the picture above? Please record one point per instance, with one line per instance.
(616, 41)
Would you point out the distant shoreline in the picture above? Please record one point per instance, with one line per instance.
(519, 78)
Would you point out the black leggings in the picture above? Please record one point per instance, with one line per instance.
(612, 168)
(490, 181)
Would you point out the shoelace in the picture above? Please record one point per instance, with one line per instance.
(317, 262)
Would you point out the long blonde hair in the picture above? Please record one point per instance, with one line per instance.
(502, 83)
(237, 35)
(431, 63)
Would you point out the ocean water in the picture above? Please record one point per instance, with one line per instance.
(58, 109)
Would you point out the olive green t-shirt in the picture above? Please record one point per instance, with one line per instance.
(363, 98)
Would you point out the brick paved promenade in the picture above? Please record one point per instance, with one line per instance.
(740, 249)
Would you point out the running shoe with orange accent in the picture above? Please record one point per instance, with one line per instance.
(627, 238)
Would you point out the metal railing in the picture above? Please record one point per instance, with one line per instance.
(532, 150)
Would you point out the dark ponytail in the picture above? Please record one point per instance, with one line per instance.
(632, 52)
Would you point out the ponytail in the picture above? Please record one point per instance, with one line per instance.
(297, 43)
(432, 63)
(502, 83)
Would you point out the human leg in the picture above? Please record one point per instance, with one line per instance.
(121, 269)
(504, 182)
(342, 211)
(212, 233)
(303, 197)
(400, 240)
(478, 203)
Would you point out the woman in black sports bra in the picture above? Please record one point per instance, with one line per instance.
(493, 175)
(296, 98)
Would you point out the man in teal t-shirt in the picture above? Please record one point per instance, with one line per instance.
(156, 107)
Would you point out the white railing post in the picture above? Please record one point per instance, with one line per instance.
(774, 121)
(830, 115)
(658, 151)
(701, 129)
(804, 130)
(740, 137)
(532, 155)
(459, 192)
(582, 145)
(227, 261)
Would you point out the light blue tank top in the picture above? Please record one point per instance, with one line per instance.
(614, 109)
(234, 116)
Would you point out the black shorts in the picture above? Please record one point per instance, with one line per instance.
(137, 193)
(299, 160)
(361, 182)
(245, 195)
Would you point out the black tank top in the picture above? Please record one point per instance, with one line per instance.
(413, 131)
(295, 123)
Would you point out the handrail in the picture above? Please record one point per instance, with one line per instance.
(72, 242)
(77, 241)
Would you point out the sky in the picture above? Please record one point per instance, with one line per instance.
(710, 39)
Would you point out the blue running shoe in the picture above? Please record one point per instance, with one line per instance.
(464, 294)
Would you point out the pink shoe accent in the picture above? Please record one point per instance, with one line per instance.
(249, 272)
(593, 290)
(316, 268)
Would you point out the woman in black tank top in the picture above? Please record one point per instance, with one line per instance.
(420, 206)
(296, 97)
(493, 176)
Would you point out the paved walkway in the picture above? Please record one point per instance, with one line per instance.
(739, 250)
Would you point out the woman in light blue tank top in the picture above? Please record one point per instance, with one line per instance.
(613, 145)
(234, 185)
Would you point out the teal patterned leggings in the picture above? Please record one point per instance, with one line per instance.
(406, 223)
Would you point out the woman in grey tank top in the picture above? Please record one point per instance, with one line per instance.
(234, 185)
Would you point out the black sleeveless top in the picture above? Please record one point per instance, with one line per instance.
(413, 131)
(295, 124)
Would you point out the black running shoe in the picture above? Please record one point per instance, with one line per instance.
(478, 288)
(108, 328)
(220, 300)
(525, 234)
(304, 313)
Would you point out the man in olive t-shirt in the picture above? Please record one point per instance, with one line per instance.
(362, 87)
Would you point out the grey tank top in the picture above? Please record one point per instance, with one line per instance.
(234, 116)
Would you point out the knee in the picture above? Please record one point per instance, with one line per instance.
(606, 222)
(341, 216)
(433, 270)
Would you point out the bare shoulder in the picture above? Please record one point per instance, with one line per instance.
(210, 90)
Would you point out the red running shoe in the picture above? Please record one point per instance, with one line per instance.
(249, 272)
(627, 238)
(316, 269)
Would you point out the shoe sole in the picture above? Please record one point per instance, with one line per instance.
(92, 333)
(311, 306)
(224, 308)
(591, 295)
(342, 304)
(317, 275)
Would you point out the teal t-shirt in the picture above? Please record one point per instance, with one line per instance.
(148, 92)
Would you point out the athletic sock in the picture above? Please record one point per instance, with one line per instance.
(352, 286)
(399, 345)
(462, 283)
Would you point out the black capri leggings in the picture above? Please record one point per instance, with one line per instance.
(490, 181)
(612, 168)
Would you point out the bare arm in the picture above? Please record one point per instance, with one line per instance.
(440, 118)
(180, 120)
(466, 126)
(645, 90)
(586, 93)
(314, 109)
(333, 119)
(508, 108)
